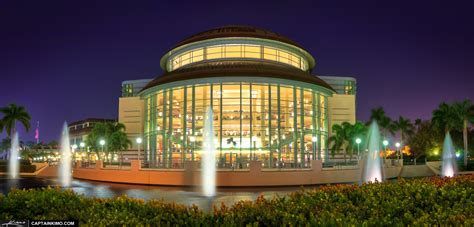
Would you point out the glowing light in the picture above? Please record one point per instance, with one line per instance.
(102, 142)
(315, 139)
(397, 145)
(358, 140)
(139, 140)
(385, 142)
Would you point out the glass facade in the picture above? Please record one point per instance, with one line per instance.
(282, 125)
(131, 88)
(342, 85)
(239, 51)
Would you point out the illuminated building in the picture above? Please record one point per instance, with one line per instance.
(267, 106)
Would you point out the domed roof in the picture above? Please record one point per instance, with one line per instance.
(237, 31)
(235, 69)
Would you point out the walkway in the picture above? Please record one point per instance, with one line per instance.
(49, 171)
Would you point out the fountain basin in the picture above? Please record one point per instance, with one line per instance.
(255, 176)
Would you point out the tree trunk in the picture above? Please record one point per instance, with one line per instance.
(464, 133)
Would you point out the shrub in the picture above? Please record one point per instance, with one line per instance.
(430, 201)
(25, 167)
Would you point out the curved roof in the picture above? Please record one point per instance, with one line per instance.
(237, 68)
(237, 31)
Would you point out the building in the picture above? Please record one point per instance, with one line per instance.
(79, 130)
(267, 105)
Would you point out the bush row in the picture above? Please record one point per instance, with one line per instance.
(431, 201)
(23, 168)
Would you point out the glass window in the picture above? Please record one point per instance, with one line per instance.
(233, 51)
(237, 51)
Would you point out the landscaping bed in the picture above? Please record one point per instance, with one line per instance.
(438, 201)
(25, 166)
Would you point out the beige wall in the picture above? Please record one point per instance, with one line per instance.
(254, 176)
(341, 108)
(131, 115)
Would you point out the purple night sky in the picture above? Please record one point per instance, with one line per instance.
(65, 60)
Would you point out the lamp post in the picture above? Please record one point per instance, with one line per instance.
(315, 141)
(102, 143)
(82, 145)
(139, 141)
(397, 144)
(73, 150)
(385, 144)
(358, 141)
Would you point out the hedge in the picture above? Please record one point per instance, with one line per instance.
(430, 201)
(23, 168)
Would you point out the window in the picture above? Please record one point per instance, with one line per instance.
(237, 51)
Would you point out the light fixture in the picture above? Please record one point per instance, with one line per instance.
(139, 140)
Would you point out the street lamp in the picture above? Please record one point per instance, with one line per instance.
(102, 143)
(73, 150)
(397, 144)
(385, 143)
(358, 141)
(315, 140)
(82, 145)
(139, 141)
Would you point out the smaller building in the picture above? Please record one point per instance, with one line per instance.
(79, 130)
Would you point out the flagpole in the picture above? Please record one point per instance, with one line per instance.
(37, 132)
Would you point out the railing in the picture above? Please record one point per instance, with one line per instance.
(117, 165)
(88, 165)
(162, 165)
(286, 165)
(340, 164)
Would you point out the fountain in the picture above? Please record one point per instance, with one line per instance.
(448, 168)
(65, 168)
(373, 165)
(13, 165)
(208, 161)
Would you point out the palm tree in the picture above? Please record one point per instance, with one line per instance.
(465, 111)
(385, 123)
(114, 135)
(446, 118)
(118, 141)
(357, 130)
(11, 114)
(405, 127)
(338, 139)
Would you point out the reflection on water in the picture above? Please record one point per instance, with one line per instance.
(183, 195)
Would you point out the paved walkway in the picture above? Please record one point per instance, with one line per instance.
(49, 171)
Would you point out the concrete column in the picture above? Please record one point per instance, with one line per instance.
(191, 173)
(255, 166)
(316, 165)
(99, 165)
(135, 165)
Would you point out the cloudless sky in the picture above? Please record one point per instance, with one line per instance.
(65, 60)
